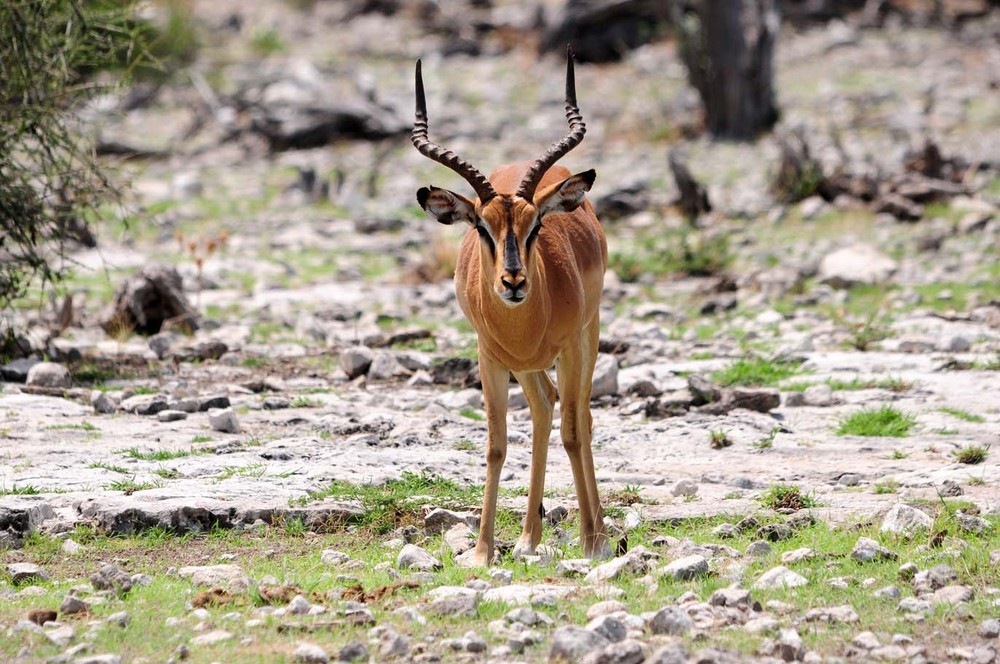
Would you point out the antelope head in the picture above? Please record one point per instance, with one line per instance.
(508, 224)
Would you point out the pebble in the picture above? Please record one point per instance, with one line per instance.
(867, 550)
(355, 361)
(571, 643)
(415, 558)
(905, 520)
(49, 374)
(310, 653)
(779, 577)
(671, 620)
(686, 568)
(224, 420)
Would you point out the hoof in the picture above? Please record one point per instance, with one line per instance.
(472, 558)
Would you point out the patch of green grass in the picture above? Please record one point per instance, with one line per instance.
(267, 42)
(757, 372)
(167, 473)
(472, 414)
(972, 454)
(83, 426)
(465, 445)
(857, 383)
(398, 501)
(767, 441)
(899, 454)
(158, 455)
(201, 439)
(718, 439)
(883, 421)
(963, 415)
(305, 402)
(786, 496)
(22, 490)
(253, 470)
(109, 467)
(630, 494)
(131, 486)
(142, 389)
(888, 486)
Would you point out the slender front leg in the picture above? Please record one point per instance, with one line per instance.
(575, 370)
(541, 396)
(495, 379)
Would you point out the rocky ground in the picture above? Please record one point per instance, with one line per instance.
(329, 346)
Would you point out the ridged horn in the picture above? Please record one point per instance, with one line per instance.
(557, 150)
(473, 175)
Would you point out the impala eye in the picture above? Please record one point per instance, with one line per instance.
(485, 234)
(532, 236)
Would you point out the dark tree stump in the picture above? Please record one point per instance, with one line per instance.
(693, 199)
(728, 46)
(149, 299)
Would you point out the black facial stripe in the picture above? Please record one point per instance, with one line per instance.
(485, 234)
(511, 255)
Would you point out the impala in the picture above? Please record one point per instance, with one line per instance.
(529, 278)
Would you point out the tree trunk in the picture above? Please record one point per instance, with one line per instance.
(728, 48)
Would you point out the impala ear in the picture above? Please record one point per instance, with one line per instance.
(446, 206)
(565, 196)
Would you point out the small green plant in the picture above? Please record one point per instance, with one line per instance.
(757, 371)
(167, 473)
(109, 467)
(963, 415)
(156, 455)
(83, 426)
(888, 486)
(883, 421)
(767, 441)
(718, 439)
(201, 439)
(305, 402)
(472, 414)
(630, 494)
(464, 445)
(899, 454)
(23, 490)
(786, 496)
(972, 454)
(131, 486)
(267, 42)
(864, 336)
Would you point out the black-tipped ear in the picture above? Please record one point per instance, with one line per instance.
(567, 195)
(422, 195)
(446, 206)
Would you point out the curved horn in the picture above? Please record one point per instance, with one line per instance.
(557, 150)
(483, 188)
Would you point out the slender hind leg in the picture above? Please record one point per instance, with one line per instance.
(541, 396)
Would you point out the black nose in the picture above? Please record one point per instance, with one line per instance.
(509, 286)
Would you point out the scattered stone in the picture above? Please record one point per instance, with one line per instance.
(915, 605)
(440, 520)
(144, 404)
(613, 569)
(758, 549)
(605, 381)
(104, 402)
(674, 653)
(573, 567)
(353, 651)
(231, 577)
(761, 625)
(952, 595)
(938, 576)
(818, 395)
(905, 520)
(835, 614)
(331, 557)
(628, 651)
(738, 598)
(17, 370)
(866, 641)
(797, 555)
(413, 557)
(570, 644)
(355, 361)
(685, 488)
(49, 374)
(224, 419)
(907, 571)
(458, 605)
(990, 628)
(110, 577)
(609, 627)
(790, 646)
(72, 604)
(211, 638)
(60, 635)
(24, 573)
(686, 568)
(171, 415)
(972, 524)
(890, 592)
(859, 264)
(310, 653)
(671, 620)
(867, 550)
(104, 658)
(779, 577)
